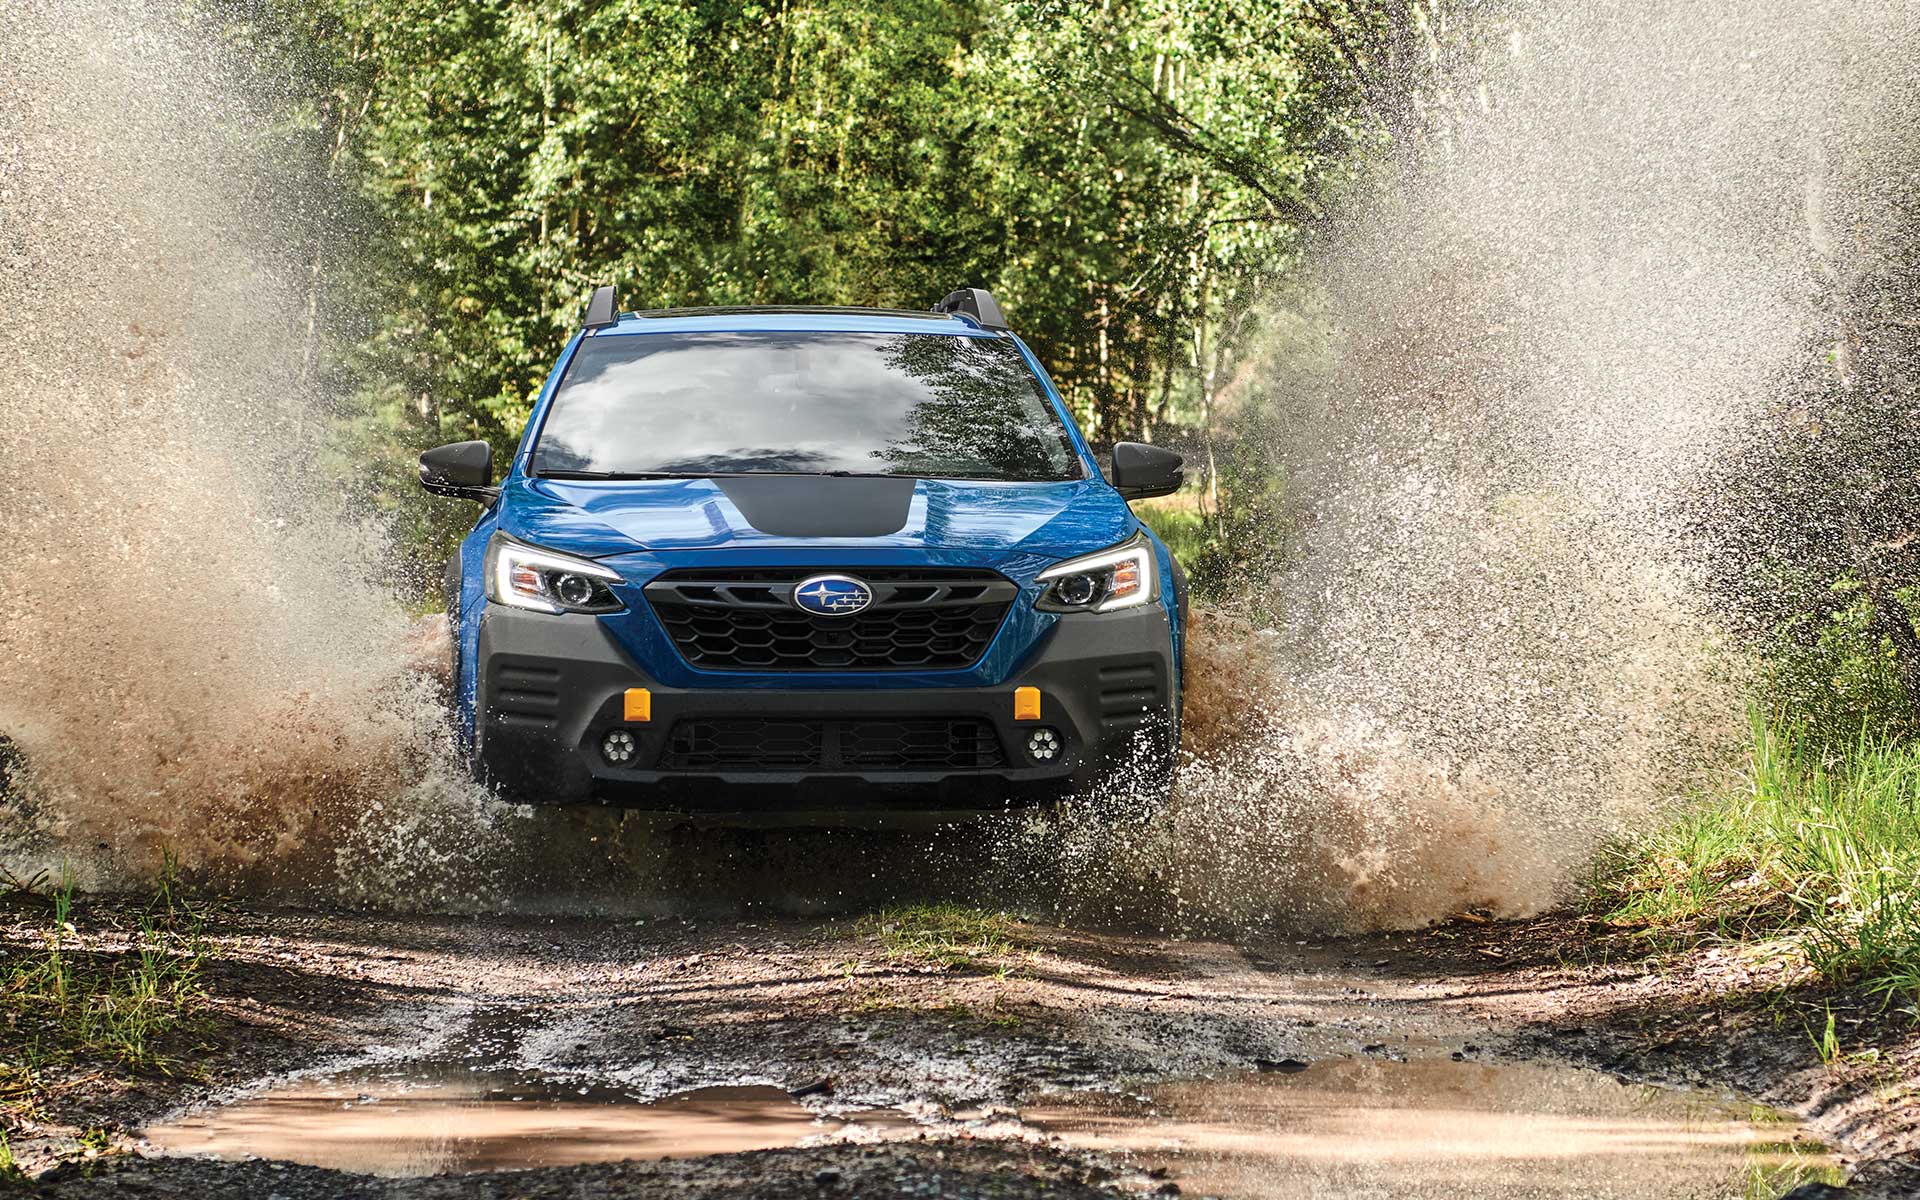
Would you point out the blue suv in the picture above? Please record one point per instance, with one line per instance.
(802, 562)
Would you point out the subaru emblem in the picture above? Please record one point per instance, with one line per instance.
(832, 595)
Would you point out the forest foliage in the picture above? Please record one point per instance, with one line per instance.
(1126, 177)
(1137, 181)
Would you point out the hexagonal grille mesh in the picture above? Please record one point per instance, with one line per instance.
(744, 620)
(773, 744)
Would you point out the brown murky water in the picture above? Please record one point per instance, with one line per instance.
(498, 1122)
(1374, 1128)
(1440, 1128)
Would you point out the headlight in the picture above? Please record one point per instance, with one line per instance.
(523, 576)
(1122, 577)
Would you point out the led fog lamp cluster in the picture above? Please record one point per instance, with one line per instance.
(619, 747)
(1043, 745)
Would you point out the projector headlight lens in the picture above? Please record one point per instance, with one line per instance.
(523, 576)
(1122, 577)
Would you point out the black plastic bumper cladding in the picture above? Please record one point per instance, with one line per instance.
(551, 687)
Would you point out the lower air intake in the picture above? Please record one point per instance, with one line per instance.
(754, 744)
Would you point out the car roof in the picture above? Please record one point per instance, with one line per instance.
(761, 319)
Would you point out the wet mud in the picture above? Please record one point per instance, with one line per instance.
(1355, 1126)
(415, 1057)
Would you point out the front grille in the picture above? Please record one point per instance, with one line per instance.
(776, 744)
(744, 620)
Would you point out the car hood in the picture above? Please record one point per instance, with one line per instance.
(602, 518)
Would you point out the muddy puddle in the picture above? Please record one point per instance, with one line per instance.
(1437, 1128)
(1353, 1127)
(458, 1123)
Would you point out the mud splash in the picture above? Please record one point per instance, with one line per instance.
(1493, 401)
(194, 653)
(1486, 405)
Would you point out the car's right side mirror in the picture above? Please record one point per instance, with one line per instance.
(1140, 470)
(463, 469)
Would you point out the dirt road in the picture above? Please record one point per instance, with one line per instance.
(944, 1052)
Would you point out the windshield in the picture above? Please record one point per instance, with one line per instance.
(931, 405)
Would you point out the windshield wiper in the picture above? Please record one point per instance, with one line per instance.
(789, 474)
(720, 474)
(834, 474)
(619, 475)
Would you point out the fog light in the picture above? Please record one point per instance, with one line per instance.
(1043, 745)
(619, 747)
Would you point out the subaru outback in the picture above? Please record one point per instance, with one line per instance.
(805, 562)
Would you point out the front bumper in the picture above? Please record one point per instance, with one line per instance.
(550, 688)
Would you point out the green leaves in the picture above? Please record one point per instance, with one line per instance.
(1126, 177)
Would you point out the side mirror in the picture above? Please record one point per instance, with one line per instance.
(1140, 470)
(463, 469)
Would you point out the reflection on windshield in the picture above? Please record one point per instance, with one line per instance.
(717, 403)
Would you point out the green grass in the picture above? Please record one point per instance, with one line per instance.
(11, 1176)
(65, 1006)
(1180, 524)
(1774, 1169)
(1820, 848)
(949, 935)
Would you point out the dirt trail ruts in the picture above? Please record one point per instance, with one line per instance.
(662, 1006)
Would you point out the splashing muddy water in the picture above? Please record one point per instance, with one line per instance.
(193, 653)
(1488, 404)
(1504, 385)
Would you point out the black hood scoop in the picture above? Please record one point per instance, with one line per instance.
(820, 506)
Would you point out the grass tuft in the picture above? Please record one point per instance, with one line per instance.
(10, 1173)
(950, 935)
(1823, 849)
(68, 1004)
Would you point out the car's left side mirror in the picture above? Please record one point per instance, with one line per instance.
(463, 469)
(1140, 470)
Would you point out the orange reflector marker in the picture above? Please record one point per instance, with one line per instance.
(1026, 704)
(639, 706)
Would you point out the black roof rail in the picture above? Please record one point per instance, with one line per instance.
(977, 303)
(602, 309)
(918, 314)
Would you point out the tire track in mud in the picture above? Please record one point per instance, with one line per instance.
(664, 1005)
(991, 1058)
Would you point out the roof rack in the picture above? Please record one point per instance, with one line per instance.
(797, 309)
(603, 309)
(977, 303)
